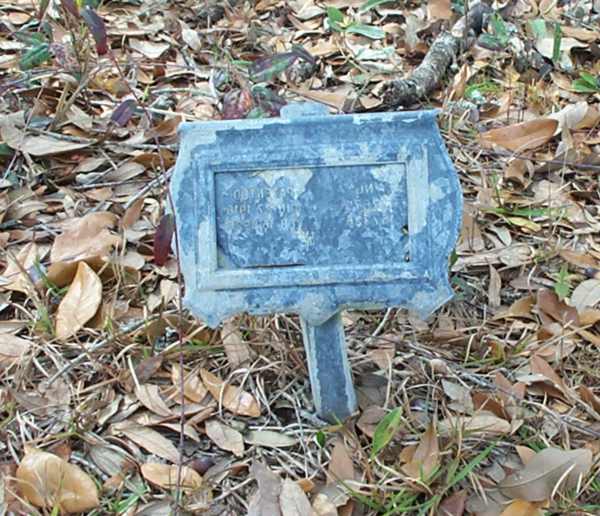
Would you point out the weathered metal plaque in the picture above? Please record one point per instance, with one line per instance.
(311, 213)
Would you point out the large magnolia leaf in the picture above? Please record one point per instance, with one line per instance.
(48, 481)
(549, 469)
(80, 303)
(12, 349)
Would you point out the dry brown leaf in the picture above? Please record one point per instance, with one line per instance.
(460, 395)
(150, 440)
(149, 419)
(14, 277)
(548, 302)
(485, 401)
(481, 423)
(369, 419)
(340, 466)
(233, 398)
(525, 453)
(46, 481)
(586, 394)
(235, 348)
(383, 355)
(520, 308)
(521, 137)
(576, 116)
(426, 457)
(41, 145)
(323, 506)
(580, 33)
(269, 439)
(589, 317)
(578, 259)
(193, 388)
(337, 98)
(80, 303)
(519, 170)
(167, 127)
(540, 477)
(12, 349)
(293, 501)
(111, 459)
(492, 504)
(85, 237)
(494, 288)
(61, 274)
(453, 505)
(190, 37)
(148, 48)
(439, 10)
(586, 294)
(471, 238)
(165, 476)
(265, 502)
(147, 368)
(132, 214)
(545, 46)
(149, 396)
(407, 453)
(522, 508)
(225, 437)
(539, 366)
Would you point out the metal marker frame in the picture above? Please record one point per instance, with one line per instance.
(318, 293)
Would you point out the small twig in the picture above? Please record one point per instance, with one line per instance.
(159, 181)
(92, 186)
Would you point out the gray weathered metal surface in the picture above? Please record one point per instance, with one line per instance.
(311, 213)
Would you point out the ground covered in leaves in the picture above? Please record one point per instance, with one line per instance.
(113, 400)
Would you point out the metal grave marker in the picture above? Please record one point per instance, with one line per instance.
(312, 213)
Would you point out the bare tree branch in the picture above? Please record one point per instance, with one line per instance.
(428, 75)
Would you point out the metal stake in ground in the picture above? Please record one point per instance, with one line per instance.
(329, 370)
